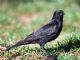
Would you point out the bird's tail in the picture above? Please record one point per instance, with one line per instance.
(10, 47)
(22, 42)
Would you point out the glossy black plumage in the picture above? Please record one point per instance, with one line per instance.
(46, 33)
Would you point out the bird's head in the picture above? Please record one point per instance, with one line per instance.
(58, 14)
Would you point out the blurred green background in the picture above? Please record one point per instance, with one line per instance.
(18, 18)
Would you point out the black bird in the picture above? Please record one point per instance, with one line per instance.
(45, 34)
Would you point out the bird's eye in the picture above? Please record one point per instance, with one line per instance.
(60, 14)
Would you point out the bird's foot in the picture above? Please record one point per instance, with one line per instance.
(46, 52)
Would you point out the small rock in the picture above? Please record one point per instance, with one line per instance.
(51, 57)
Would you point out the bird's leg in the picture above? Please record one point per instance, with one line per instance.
(42, 46)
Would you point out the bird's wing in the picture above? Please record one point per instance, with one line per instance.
(46, 30)
(31, 38)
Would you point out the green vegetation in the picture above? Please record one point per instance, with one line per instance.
(18, 18)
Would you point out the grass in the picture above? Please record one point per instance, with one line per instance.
(12, 29)
(66, 47)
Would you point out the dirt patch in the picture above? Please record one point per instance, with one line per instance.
(3, 58)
